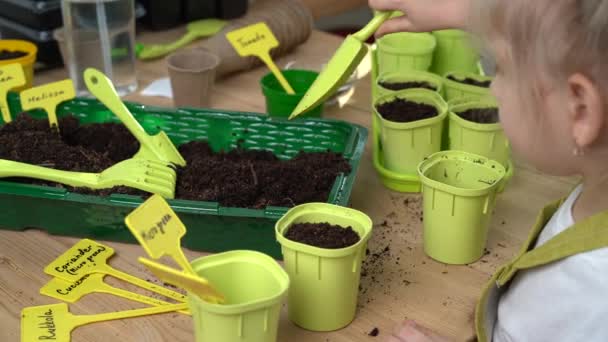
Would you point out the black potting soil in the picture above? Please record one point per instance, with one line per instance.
(238, 178)
(374, 332)
(401, 110)
(8, 54)
(470, 81)
(406, 85)
(323, 235)
(480, 115)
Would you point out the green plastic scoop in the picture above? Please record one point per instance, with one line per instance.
(196, 29)
(340, 66)
(158, 147)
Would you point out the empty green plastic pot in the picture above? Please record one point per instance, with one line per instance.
(407, 76)
(278, 102)
(324, 282)
(253, 284)
(459, 191)
(405, 145)
(454, 53)
(453, 89)
(405, 50)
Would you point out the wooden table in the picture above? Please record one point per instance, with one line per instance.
(406, 283)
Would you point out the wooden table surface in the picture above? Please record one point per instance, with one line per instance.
(401, 282)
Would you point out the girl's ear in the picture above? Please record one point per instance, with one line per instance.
(586, 109)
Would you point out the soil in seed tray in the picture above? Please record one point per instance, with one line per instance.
(238, 178)
(8, 54)
(470, 81)
(401, 110)
(480, 115)
(406, 85)
(323, 235)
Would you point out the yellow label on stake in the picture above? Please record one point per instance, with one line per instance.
(11, 76)
(158, 230)
(86, 256)
(48, 97)
(258, 40)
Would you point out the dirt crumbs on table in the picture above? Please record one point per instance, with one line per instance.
(375, 332)
(401, 110)
(322, 235)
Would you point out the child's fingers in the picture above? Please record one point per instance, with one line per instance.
(385, 5)
(398, 24)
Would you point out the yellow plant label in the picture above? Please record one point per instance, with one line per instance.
(11, 76)
(48, 97)
(256, 39)
(86, 256)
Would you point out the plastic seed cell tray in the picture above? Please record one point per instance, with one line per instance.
(211, 227)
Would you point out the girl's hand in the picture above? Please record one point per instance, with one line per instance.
(409, 331)
(422, 16)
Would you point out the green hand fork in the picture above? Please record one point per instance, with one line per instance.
(158, 147)
(340, 66)
(147, 175)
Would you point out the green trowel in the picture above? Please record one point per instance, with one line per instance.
(340, 66)
(196, 29)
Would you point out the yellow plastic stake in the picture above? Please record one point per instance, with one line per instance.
(48, 97)
(159, 231)
(11, 76)
(87, 257)
(55, 322)
(72, 291)
(191, 283)
(258, 40)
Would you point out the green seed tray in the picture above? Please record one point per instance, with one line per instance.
(211, 227)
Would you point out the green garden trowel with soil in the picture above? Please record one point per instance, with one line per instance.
(340, 66)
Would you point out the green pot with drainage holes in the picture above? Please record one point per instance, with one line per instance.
(407, 76)
(405, 50)
(254, 286)
(324, 282)
(453, 90)
(459, 191)
(279, 103)
(454, 53)
(405, 144)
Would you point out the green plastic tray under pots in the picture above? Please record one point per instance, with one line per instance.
(407, 76)
(453, 90)
(254, 286)
(324, 282)
(487, 139)
(454, 52)
(395, 181)
(404, 145)
(405, 50)
(278, 102)
(458, 190)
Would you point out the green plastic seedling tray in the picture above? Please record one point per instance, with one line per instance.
(211, 227)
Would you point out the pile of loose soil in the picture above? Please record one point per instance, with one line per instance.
(8, 54)
(323, 235)
(407, 85)
(238, 178)
(470, 81)
(402, 110)
(480, 115)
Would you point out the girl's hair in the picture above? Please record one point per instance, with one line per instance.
(546, 40)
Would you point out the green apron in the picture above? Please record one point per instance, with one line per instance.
(584, 236)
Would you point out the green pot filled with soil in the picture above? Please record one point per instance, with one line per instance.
(279, 103)
(458, 84)
(459, 192)
(323, 246)
(411, 123)
(408, 79)
(405, 51)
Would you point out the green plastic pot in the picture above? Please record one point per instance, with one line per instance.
(254, 286)
(453, 90)
(324, 282)
(405, 145)
(279, 103)
(407, 76)
(405, 50)
(454, 53)
(459, 191)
